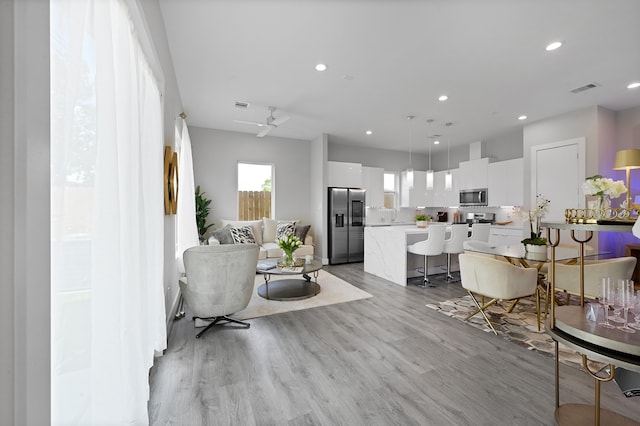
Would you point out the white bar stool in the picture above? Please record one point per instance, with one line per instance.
(455, 245)
(432, 246)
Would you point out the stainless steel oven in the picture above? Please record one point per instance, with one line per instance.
(473, 197)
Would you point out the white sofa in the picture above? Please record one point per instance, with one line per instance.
(264, 232)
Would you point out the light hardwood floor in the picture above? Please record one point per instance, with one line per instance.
(386, 360)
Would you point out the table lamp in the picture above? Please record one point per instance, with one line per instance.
(627, 159)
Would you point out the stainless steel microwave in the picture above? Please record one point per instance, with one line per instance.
(474, 197)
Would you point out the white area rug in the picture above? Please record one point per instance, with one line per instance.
(332, 290)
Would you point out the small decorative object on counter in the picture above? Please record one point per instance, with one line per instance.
(422, 219)
(604, 189)
(601, 190)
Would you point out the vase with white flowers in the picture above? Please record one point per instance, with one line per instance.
(536, 242)
(604, 189)
(288, 244)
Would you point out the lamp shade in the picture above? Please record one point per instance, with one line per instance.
(627, 159)
(429, 181)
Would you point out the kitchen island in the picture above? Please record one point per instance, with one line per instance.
(386, 256)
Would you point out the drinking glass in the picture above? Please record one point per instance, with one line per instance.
(625, 300)
(635, 310)
(617, 307)
(605, 298)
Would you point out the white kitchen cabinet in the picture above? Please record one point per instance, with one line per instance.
(473, 173)
(505, 183)
(506, 236)
(373, 183)
(415, 196)
(341, 174)
(439, 196)
(515, 182)
(497, 184)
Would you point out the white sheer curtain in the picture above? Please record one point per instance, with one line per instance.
(108, 315)
(187, 228)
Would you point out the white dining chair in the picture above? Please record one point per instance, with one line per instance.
(497, 280)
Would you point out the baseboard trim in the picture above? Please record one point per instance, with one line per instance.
(172, 313)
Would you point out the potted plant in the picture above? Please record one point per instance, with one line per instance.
(536, 243)
(422, 219)
(202, 212)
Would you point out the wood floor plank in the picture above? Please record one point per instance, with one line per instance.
(386, 360)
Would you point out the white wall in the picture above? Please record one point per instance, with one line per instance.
(572, 125)
(24, 213)
(216, 154)
(503, 147)
(627, 136)
(374, 157)
(606, 132)
(172, 108)
(319, 202)
(7, 217)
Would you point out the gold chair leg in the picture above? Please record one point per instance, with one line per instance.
(513, 305)
(481, 310)
(538, 306)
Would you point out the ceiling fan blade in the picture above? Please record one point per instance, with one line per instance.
(255, 123)
(264, 131)
(280, 120)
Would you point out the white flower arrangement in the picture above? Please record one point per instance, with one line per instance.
(599, 186)
(542, 204)
(289, 244)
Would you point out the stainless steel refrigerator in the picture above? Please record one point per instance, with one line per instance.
(346, 225)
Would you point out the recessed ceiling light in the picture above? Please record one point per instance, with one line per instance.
(522, 117)
(321, 67)
(443, 98)
(436, 142)
(634, 85)
(369, 132)
(553, 46)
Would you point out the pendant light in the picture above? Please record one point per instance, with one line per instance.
(448, 179)
(409, 169)
(430, 171)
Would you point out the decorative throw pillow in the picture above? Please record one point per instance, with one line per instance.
(243, 234)
(256, 227)
(269, 230)
(284, 229)
(301, 231)
(223, 235)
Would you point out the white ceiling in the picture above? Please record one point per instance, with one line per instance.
(388, 59)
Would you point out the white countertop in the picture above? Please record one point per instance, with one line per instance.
(389, 223)
(407, 229)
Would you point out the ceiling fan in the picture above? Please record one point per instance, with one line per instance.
(270, 124)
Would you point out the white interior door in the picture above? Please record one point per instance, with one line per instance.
(558, 172)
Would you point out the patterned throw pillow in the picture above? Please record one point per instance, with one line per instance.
(284, 229)
(243, 235)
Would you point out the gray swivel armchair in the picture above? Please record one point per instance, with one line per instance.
(219, 281)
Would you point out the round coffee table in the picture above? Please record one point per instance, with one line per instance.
(289, 289)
